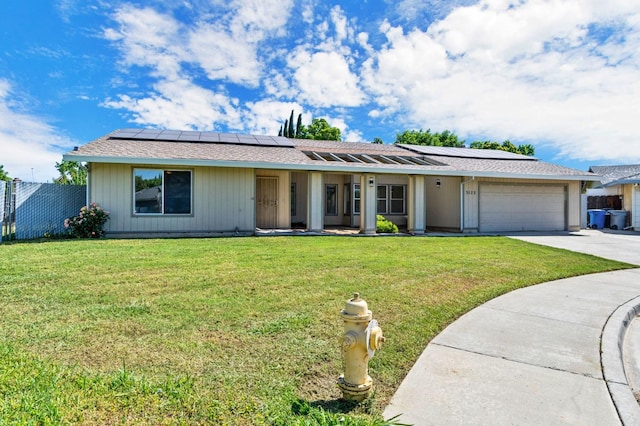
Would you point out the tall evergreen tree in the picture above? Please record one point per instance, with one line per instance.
(291, 132)
(299, 127)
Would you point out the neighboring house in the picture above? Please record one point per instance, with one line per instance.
(618, 189)
(173, 182)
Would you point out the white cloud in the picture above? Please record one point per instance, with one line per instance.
(224, 57)
(180, 104)
(222, 44)
(324, 79)
(340, 23)
(30, 146)
(531, 71)
(265, 117)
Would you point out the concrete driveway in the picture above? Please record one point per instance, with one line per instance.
(623, 246)
(548, 354)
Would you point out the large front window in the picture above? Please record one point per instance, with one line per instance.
(162, 191)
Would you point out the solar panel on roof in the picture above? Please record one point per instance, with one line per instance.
(489, 154)
(200, 137)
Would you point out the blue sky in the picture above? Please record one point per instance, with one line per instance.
(561, 75)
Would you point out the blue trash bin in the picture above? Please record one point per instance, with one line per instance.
(596, 218)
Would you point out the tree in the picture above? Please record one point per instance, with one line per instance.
(3, 175)
(291, 133)
(377, 140)
(507, 145)
(71, 173)
(299, 127)
(421, 137)
(319, 129)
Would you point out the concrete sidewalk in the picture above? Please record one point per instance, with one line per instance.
(533, 356)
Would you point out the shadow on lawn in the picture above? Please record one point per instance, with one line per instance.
(330, 412)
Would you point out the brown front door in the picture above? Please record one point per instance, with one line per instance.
(267, 202)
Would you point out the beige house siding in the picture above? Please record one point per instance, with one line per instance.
(443, 202)
(471, 199)
(222, 200)
(627, 202)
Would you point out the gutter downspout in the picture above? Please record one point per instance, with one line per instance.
(462, 184)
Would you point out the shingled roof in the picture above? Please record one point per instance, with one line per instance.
(617, 175)
(157, 147)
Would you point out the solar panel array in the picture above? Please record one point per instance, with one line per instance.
(487, 154)
(200, 137)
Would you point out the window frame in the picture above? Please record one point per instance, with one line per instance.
(356, 199)
(163, 172)
(331, 206)
(384, 199)
(403, 199)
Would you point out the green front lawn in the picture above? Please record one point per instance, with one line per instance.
(233, 330)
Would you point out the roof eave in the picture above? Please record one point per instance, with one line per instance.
(324, 167)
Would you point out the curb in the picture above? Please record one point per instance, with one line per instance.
(611, 360)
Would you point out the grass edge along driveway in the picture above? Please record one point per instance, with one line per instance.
(234, 330)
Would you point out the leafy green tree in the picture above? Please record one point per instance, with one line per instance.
(320, 129)
(378, 141)
(422, 137)
(505, 146)
(71, 173)
(3, 175)
(527, 149)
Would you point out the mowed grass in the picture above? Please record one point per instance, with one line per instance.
(234, 330)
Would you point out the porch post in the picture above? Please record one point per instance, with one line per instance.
(367, 204)
(416, 205)
(315, 214)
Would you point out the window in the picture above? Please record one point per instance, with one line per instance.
(397, 199)
(356, 198)
(162, 191)
(347, 200)
(391, 199)
(293, 199)
(381, 198)
(331, 200)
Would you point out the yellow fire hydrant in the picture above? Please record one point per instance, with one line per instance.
(362, 337)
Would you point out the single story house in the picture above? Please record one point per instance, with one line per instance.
(617, 189)
(187, 182)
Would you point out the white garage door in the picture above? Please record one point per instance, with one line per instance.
(521, 208)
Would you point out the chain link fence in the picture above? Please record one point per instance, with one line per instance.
(35, 210)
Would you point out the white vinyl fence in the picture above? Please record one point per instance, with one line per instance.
(35, 210)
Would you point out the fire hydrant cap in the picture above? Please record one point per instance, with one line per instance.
(356, 307)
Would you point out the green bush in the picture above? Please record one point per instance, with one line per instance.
(385, 226)
(88, 223)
